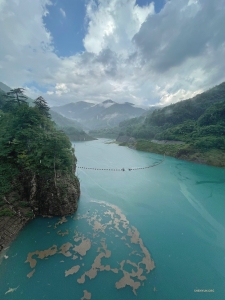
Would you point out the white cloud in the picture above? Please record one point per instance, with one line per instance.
(62, 12)
(113, 23)
(132, 54)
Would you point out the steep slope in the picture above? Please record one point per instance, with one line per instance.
(4, 87)
(190, 109)
(63, 121)
(193, 129)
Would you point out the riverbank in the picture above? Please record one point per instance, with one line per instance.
(179, 150)
(184, 151)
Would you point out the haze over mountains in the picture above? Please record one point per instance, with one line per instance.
(95, 116)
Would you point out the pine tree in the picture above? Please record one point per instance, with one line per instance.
(42, 106)
(16, 96)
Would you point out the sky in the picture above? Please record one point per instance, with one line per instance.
(147, 53)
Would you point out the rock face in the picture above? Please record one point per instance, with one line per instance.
(56, 196)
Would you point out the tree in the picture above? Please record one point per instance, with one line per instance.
(42, 106)
(16, 96)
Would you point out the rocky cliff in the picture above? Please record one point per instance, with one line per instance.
(56, 194)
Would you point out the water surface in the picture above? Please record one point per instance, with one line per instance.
(156, 233)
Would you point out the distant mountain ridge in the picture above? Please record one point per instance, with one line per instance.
(103, 115)
(4, 87)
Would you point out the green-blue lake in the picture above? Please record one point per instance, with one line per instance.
(158, 233)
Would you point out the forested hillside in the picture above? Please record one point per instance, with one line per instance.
(72, 128)
(198, 122)
(37, 161)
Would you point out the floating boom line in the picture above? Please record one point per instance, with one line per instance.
(123, 169)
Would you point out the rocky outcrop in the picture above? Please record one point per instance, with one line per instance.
(56, 195)
(47, 195)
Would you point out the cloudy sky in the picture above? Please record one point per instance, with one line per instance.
(125, 50)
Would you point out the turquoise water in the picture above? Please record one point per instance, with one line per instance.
(174, 212)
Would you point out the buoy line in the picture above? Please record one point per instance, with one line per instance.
(123, 169)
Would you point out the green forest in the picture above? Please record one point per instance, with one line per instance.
(30, 147)
(198, 122)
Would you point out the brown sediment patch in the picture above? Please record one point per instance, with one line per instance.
(77, 239)
(138, 274)
(97, 266)
(93, 218)
(118, 211)
(48, 252)
(134, 234)
(65, 249)
(29, 275)
(59, 232)
(135, 238)
(41, 254)
(79, 217)
(112, 217)
(132, 263)
(115, 270)
(60, 222)
(72, 271)
(147, 261)
(110, 213)
(116, 223)
(84, 246)
(31, 260)
(135, 252)
(82, 279)
(126, 280)
(87, 295)
(98, 226)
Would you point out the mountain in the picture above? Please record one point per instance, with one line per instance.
(103, 115)
(63, 121)
(4, 87)
(193, 129)
(72, 128)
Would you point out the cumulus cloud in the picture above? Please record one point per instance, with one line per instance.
(113, 23)
(131, 53)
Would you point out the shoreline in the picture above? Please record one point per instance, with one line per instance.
(179, 150)
(10, 228)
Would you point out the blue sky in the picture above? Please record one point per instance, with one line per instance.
(139, 51)
(66, 22)
(67, 25)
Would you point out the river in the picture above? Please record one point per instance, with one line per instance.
(155, 233)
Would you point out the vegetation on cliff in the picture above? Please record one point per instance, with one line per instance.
(37, 161)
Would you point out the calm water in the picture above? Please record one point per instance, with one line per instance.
(174, 212)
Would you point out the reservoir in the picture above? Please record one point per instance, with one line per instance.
(153, 233)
